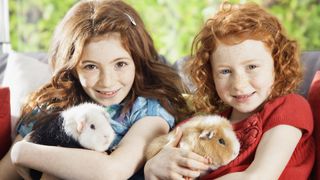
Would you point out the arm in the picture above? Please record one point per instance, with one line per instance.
(7, 169)
(273, 153)
(69, 163)
(175, 163)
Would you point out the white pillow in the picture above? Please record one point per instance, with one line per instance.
(23, 75)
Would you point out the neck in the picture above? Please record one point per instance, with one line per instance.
(237, 116)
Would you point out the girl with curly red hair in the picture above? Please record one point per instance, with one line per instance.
(245, 68)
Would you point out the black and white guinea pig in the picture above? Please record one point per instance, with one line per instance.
(86, 125)
(211, 136)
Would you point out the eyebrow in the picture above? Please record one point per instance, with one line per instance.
(249, 61)
(96, 62)
(223, 65)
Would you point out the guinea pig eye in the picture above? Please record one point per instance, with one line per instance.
(221, 141)
(92, 126)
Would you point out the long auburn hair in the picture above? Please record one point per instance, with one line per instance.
(233, 24)
(92, 18)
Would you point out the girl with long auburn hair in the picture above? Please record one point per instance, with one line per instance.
(100, 53)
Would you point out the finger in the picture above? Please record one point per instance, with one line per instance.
(188, 173)
(191, 155)
(174, 141)
(177, 176)
(193, 164)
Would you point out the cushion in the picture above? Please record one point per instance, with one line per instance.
(23, 75)
(314, 100)
(311, 64)
(3, 64)
(5, 128)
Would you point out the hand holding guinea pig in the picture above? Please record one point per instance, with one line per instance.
(210, 136)
(86, 125)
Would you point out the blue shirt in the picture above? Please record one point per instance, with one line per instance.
(121, 123)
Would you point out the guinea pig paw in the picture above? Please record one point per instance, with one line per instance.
(209, 159)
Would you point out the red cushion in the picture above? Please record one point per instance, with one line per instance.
(5, 125)
(314, 100)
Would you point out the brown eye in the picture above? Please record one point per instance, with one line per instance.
(221, 141)
(90, 67)
(92, 126)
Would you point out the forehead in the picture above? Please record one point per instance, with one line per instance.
(103, 47)
(245, 50)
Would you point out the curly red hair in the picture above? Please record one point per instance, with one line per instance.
(232, 25)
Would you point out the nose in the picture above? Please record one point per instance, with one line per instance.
(106, 78)
(240, 81)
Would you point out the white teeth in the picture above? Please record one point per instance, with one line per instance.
(107, 92)
(243, 96)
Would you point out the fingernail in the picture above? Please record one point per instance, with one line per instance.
(177, 129)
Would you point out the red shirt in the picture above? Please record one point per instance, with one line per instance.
(291, 110)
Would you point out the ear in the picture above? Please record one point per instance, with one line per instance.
(207, 134)
(80, 125)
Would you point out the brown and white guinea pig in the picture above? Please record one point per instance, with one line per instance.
(86, 125)
(211, 136)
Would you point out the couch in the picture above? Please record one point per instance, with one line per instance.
(21, 73)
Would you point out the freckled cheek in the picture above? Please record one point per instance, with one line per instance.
(263, 82)
(222, 87)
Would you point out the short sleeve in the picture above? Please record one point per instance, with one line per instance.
(292, 109)
(149, 107)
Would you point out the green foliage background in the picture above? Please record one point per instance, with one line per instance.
(172, 23)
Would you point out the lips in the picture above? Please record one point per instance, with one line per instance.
(243, 98)
(108, 93)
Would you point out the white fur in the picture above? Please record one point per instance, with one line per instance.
(98, 139)
(208, 119)
(234, 139)
(212, 119)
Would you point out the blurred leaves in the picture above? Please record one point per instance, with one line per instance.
(301, 19)
(172, 23)
(32, 22)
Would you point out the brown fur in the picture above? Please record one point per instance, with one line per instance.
(201, 134)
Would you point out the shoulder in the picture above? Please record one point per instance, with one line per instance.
(295, 98)
(143, 107)
(291, 109)
(290, 102)
(144, 104)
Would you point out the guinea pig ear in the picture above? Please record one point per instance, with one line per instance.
(207, 134)
(80, 125)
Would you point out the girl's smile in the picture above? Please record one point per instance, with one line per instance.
(243, 98)
(106, 70)
(107, 94)
(243, 75)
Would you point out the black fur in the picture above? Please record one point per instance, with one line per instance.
(52, 133)
(49, 131)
